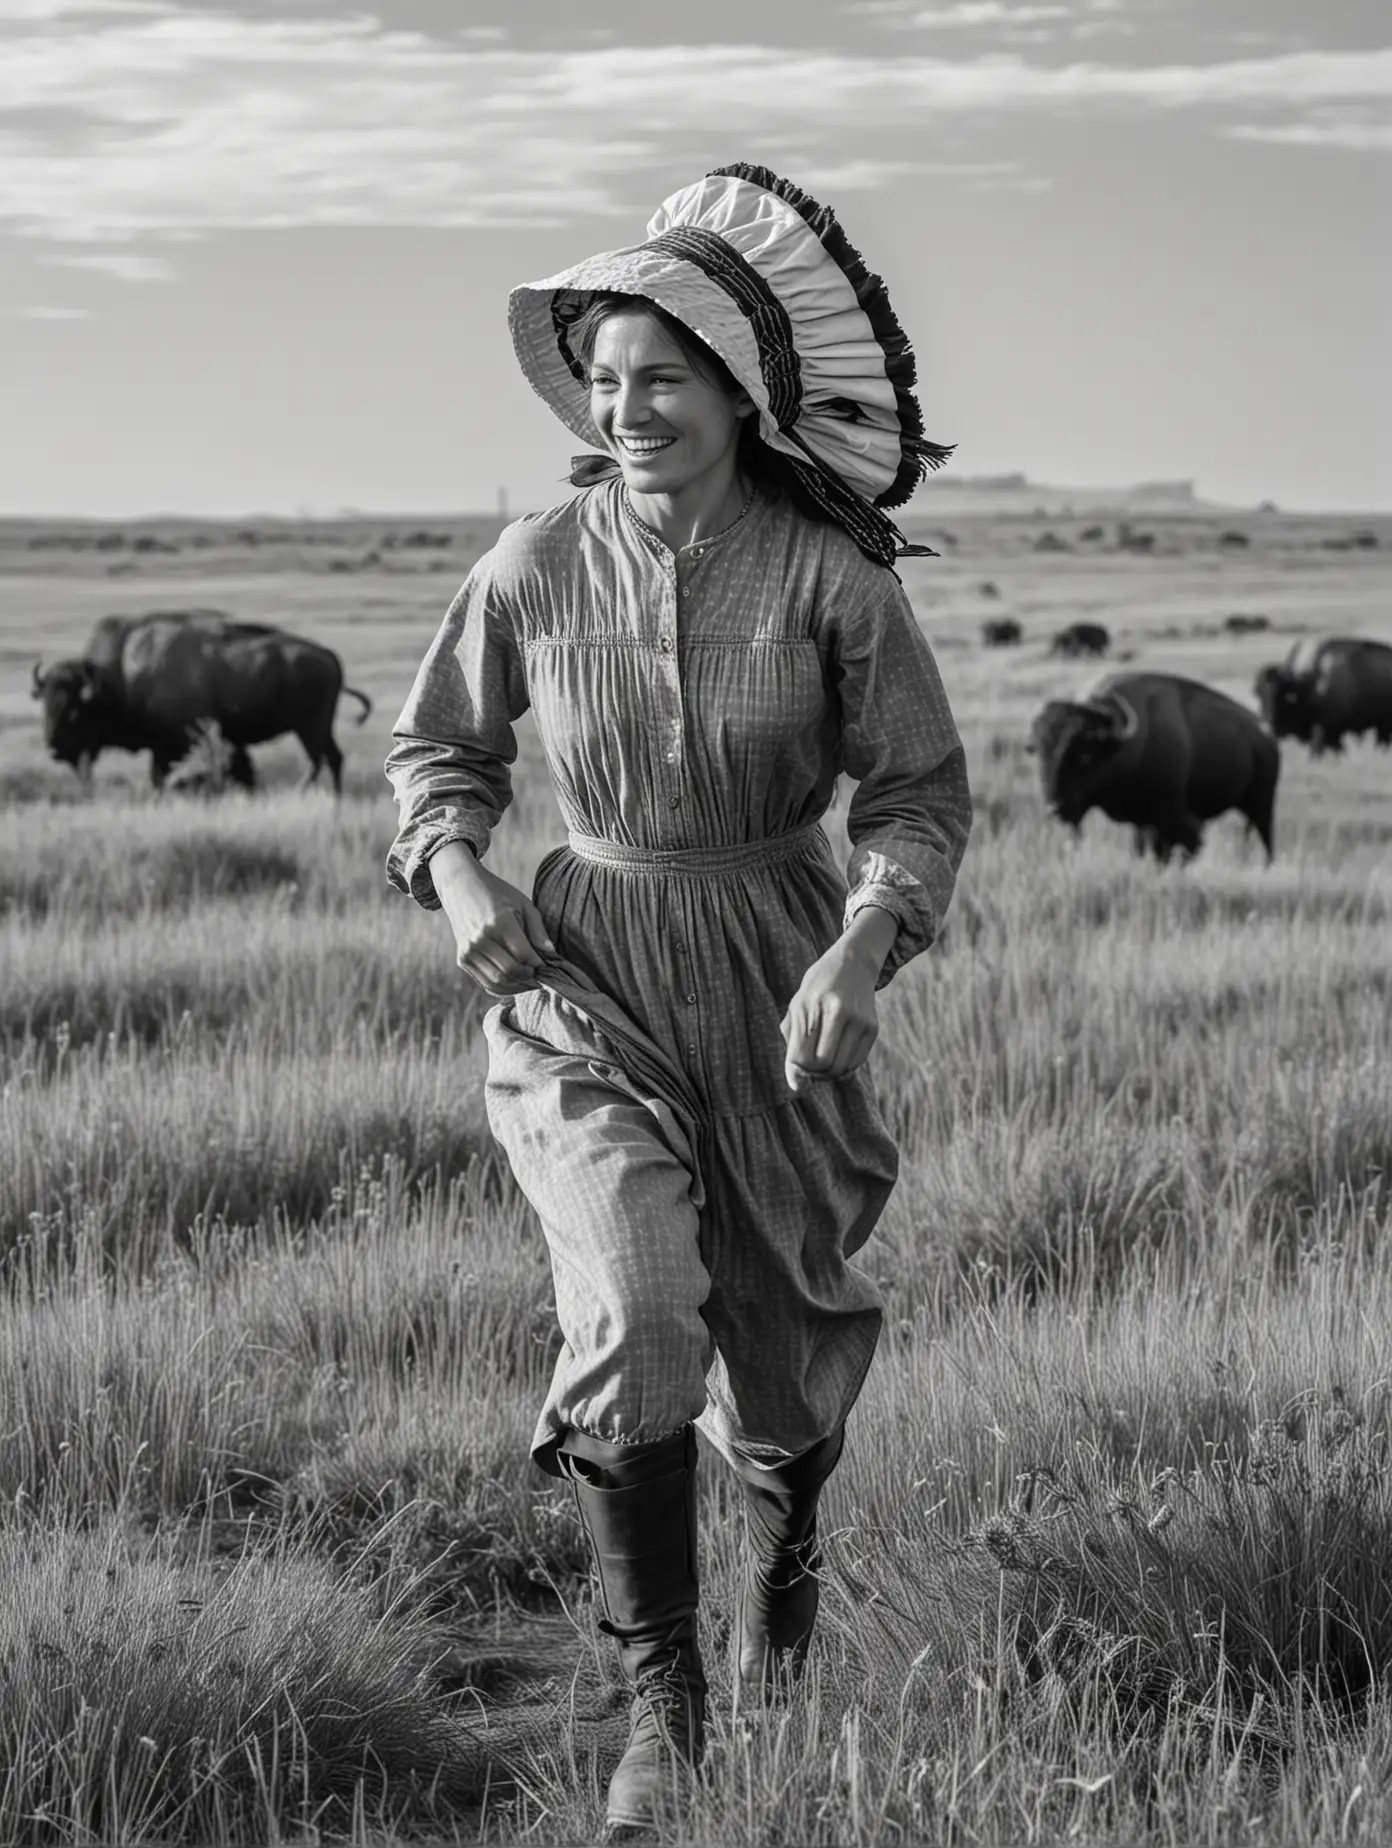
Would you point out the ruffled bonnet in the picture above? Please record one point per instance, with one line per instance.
(767, 278)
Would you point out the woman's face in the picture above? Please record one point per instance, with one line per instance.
(670, 426)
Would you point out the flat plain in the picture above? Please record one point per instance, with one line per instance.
(1109, 1558)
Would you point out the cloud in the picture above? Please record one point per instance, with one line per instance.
(33, 12)
(38, 313)
(124, 265)
(169, 122)
(1017, 21)
(969, 13)
(1360, 137)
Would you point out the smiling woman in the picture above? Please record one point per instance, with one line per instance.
(686, 1005)
(670, 411)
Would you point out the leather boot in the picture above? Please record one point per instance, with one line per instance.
(638, 1506)
(779, 1591)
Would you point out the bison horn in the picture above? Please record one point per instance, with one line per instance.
(1120, 714)
(38, 685)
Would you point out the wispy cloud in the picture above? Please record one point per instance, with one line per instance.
(1358, 137)
(124, 265)
(42, 313)
(977, 13)
(1009, 21)
(135, 120)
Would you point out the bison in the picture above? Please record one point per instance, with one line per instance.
(1160, 753)
(1328, 689)
(1081, 638)
(1001, 632)
(155, 683)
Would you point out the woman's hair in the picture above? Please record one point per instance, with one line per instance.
(583, 333)
(754, 456)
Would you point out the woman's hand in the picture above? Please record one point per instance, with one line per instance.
(832, 1021)
(499, 936)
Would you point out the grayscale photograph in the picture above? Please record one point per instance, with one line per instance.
(695, 923)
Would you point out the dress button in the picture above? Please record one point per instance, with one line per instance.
(691, 1048)
(671, 757)
(672, 801)
(686, 590)
(691, 999)
(666, 644)
(696, 551)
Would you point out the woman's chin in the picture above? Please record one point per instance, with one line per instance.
(645, 477)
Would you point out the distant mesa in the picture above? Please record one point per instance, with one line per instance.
(1173, 493)
(1016, 494)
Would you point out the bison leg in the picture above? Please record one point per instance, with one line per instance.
(1260, 810)
(1181, 834)
(324, 752)
(239, 768)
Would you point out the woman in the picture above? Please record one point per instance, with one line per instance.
(708, 635)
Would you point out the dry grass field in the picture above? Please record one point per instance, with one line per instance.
(1111, 1556)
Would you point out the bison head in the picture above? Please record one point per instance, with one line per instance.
(1284, 698)
(1076, 741)
(73, 718)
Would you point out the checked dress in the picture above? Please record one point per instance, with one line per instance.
(696, 709)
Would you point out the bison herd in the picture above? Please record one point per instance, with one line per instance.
(1164, 754)
(1155, 751)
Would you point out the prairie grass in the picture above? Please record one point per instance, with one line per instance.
(1106, 1560)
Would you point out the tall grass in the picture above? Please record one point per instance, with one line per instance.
(1105, 1559)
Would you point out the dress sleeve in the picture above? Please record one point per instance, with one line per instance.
(911, 813)
(449, 765)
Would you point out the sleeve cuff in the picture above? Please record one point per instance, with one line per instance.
(882, 883)
(410, 872)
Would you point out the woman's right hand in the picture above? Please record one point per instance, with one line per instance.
(499, 936)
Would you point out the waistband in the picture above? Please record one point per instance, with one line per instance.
(698, 862)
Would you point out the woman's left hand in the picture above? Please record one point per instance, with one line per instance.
(832, 1021)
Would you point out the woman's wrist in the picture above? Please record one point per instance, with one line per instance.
(450, 862)
(870, 935)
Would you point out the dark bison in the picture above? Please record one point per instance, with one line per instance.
(156, 683)
(1158, 752)
(1081, 638)
(1001, 632)
(1328, 688)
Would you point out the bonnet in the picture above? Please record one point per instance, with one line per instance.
(766, 277)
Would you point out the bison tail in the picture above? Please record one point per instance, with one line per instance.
(366, 703)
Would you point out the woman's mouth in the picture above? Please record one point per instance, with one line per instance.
(641, 447)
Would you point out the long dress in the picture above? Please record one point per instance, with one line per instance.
(696, 709)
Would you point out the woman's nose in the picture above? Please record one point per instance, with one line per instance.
(630, 406)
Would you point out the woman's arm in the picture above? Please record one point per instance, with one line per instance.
(450, 767)
(909, 820)
(453, 745)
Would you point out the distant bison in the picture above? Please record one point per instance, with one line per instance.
(155, 683)
(1160, 753)
(1001, 632)
(1240, 623)
(1081, 638)
(1329, 688)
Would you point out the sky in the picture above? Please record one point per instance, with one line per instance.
(255, 254)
